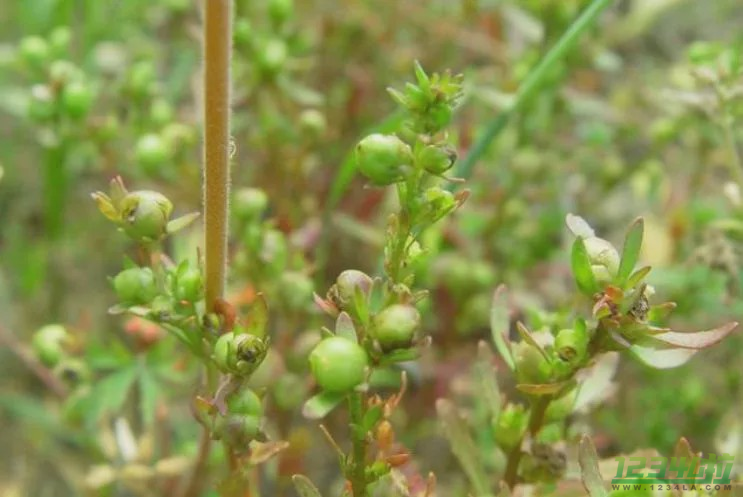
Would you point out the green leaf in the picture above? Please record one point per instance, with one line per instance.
(581, 266)
(529, 338)
(662, 359)
(463, 446)
(637, 277)
(344, 327)
(631, 250)
(543, 388)
(318, 406)
(420, 75)
(149, 392)
(500, 323)
(110, 393)
(485, 379)
(371, 418)
(698, 340)
(179, 223)
(589, 465)
(305, 487)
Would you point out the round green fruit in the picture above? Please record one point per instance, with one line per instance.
(395, 326)
(136, 285)
(383, 158)
(338, 364)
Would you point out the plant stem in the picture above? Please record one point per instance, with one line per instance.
(536, 419)
(531, 84)
(357, 472)
(217, 54)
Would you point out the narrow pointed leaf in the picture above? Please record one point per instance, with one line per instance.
(344, 327)
(581, 266)
(500, 323)
(579, 226)
(529, 338)
(320, 405)
(305, 487)
(486, 379)
(631, 250)
(637, 277)
(261, 452)
(463, 446)
(662, 359)
(698, 340)
(543, 388)
(589, 465)
(179, 223)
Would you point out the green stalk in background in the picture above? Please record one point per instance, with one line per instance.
(531, 84)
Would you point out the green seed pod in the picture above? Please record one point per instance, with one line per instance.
(509, 428)
(237, 430)
(161, 112)
(338, 364)
(59, 41)
(395, 326)
(152, 152)
(136, 286)
(313, 123)
(48, 344)
(437, 159)
(239, 354)
(383, 158)
(34, 51)
(604, 258)
(77, 99)
(571, 344)
(280, 11)
(42, 105)
(189, 285)
(249, 203)
(245, 402)
(272, 57)
(145, 215)
(295, 289)
(531, 366)
(350, 281)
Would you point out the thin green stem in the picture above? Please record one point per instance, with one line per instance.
(536, 420)
(531, 84)
(357, 471)
(217, 54)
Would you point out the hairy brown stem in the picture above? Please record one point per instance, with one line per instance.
(217, 54)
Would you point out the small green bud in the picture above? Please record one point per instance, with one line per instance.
(145, 215)
(48, 344)
(272, 57)
(395, 326)
(189, 285)
(41, 105)
(161, 112)
(437, 159)
(313, 122)
(342, 294)
(280, 10)
(136, 285)
(531, 366)
(34, 51)
(245, 402)
(510, 426)
(77, 99)
(63, 72)
(151, 152)
(571, 344)
(604, 258)
(338, 364)
(249, 203)
(295, 289)
(236, 430)
(59, 41)
(239, 354)
(383, 158)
